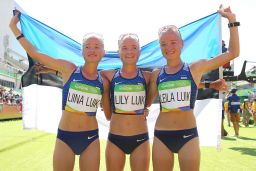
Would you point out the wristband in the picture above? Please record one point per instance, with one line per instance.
(234, 24)
(20, 36)
(207, 85)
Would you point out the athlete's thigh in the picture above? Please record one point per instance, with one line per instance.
(163, 158)
(189, 155)
(115, 157)
(90, 158)
(63, 157)
(140, 157)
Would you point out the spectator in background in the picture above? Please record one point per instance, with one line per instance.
(246, 109)
(10, 97)
(226, 66)
(254, 111)
(224, 49)
(2, 90)
(226, 112)
(234, 110)
(223, 131)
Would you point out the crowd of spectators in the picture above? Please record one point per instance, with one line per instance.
(9, 97)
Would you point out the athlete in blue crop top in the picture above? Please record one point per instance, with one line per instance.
(82, 92)
(177, 91)
(128, 128)
(128, 96)
(176, 83)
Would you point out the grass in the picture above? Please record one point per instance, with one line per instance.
(30, 150)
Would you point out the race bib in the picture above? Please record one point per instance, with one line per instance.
(175, 95)
(129, 98)
(83, 98)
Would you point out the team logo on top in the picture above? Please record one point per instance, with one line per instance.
(75, 80)
(183, 77)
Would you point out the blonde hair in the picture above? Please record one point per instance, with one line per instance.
(167, 28)
(131, 35)
(92, 34)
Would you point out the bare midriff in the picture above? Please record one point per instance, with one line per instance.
(177, 120)
(71, 121)
(128, 125)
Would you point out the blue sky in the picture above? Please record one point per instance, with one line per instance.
(144, 17)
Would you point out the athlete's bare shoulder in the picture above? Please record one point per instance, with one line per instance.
(108, 74)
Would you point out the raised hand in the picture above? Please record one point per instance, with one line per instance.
(227, 13)
(15, 19)
(220, 85)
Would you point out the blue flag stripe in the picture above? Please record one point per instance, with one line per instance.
(201, 40)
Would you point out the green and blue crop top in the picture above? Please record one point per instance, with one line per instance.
(176, 91)
(82, 95)
(128, 96)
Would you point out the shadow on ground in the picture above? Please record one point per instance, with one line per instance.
(244, 150)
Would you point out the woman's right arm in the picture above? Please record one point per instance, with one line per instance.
(62, 66)
(220, 85)
(106, 99)
(107, 76)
